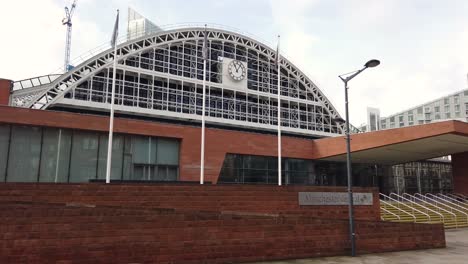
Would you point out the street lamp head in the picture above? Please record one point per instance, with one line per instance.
(372, 63)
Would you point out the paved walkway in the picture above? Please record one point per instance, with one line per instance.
(456, 252)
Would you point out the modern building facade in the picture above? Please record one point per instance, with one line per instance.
(450, 107)
(423, 176)
(53, 128)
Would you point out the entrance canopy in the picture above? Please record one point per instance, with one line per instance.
(399, 145)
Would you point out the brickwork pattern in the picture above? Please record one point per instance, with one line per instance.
(97, 223)
(265, 199)
(460, 173)
(5, 86)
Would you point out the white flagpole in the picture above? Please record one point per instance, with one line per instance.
(202, 151)
(279, 111)
(111, 120)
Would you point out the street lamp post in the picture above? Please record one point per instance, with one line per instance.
(351, 75)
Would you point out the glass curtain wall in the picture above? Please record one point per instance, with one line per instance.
(419, 177)
(262, 169)
(37, 154)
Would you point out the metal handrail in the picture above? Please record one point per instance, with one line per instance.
(388, 212)
(435, 205)
(462, 196)
(460, 211)
(399, 209)
(427, 209)
(411, 208)
(34, 81)
(454, 201)
(459, 196)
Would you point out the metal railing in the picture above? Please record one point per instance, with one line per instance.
(125, 38)
(407, 206)
(442, 218)
(415, 198)
(389, 212)
(459, 197)
(445, 203)
(455, 201)
(35, 81)
(398, 209)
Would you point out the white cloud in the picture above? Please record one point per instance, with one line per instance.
(423, 50)
(422, 44)
(36, 37)
(31, 33)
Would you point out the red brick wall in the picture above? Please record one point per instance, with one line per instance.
(239, 198)
(460, 172)
(218, 141)
(5, 86)
(42, 233)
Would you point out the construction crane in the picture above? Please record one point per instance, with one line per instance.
(67, 20)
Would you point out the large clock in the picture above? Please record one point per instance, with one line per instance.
(236, 70)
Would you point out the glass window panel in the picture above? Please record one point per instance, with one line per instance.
(127, 158)
(64, 159)
(23, 164)
(168, 151)
(153, 149)
(255, 162)
(229, 175)
(84, 156)
(172, 173)
(255, 176)
(298, 177)
(117, 157)
(140, 173)
(140, 150)
(50, 155)
(4, 144)
(161, 173)
(273, 176)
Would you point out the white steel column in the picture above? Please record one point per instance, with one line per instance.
(279, 111)
(111, 120)
(58, 155)
(202, 151)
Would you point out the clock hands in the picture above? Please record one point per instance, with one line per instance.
(236, 70)
(237, 66)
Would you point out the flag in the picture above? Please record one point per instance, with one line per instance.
(277, 51)
(116, 30)
(205, 45)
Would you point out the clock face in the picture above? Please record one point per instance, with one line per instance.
(236, 70)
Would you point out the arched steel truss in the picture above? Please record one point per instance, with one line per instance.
(161, 75)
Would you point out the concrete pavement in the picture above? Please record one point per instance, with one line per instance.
(456, 252)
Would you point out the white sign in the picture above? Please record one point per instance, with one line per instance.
(334, 198)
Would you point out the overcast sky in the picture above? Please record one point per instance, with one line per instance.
(422, 44)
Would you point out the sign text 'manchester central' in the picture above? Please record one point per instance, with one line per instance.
(334, 198)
